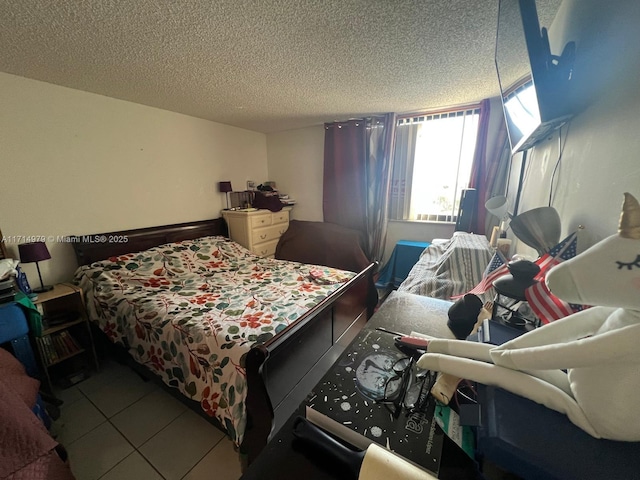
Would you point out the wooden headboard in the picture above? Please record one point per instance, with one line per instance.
(100, 246)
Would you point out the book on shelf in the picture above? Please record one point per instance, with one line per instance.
(52, 349)
(45, 349)
(346, 402)
(71, 343)
(48, 349)
(41, 347)
(61, 348)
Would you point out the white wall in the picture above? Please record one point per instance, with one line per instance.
(296, 159)
(77, 163)
(601, 157)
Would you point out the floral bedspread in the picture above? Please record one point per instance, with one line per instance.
(191, 310)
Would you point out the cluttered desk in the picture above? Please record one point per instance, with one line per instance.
(516, 434)
(287, 456)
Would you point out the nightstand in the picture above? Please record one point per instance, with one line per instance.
(65, 347)
(257, 230)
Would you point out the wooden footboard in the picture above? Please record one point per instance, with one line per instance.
(275, 367)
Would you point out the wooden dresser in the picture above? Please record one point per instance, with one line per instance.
(257, 230)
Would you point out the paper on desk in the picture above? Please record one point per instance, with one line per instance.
(462, 435)
(380, 464)
(448, 419)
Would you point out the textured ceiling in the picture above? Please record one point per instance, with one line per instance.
(267, 65)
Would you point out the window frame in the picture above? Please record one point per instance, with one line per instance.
(420, 117)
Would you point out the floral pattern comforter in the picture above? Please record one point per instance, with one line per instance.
(191, 310)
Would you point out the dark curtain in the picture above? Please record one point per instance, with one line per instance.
(485, 168)
(344, 187)
(357, 177)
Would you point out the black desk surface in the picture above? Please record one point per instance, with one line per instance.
(517, 434)
(283, 458)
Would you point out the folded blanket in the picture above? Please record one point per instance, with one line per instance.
(26, 448)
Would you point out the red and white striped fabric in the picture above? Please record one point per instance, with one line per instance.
(545, 304)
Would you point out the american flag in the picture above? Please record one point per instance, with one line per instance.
(497, 267)
(545, 304)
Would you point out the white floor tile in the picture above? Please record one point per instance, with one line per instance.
(118, 394)
(97, 452)
(142, 420)
(68, 395)
(109, 372)
(77, 419)
(222, 459)
(180, 445)
(134, 467)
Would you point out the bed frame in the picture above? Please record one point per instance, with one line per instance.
(275, 367)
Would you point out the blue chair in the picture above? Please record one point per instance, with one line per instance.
(14, 330)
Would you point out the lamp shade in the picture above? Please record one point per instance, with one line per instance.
(497, 206)
(225, 187)
(539, 228)
(33, 252)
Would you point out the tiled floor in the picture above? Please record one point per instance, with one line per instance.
(116, 426)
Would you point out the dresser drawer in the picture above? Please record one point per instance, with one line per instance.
(267, 249)
(280, 217)
(261, 235)
(258, 231)
(261, 220)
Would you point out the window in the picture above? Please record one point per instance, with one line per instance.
(432, 164)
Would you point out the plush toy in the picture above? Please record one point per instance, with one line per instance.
(586, 365)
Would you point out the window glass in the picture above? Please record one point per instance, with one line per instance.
(437, 164)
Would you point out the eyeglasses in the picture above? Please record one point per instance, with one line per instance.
(406, 390)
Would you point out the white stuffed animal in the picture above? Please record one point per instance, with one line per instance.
(599, 347)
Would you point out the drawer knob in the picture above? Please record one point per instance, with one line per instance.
(262, 237)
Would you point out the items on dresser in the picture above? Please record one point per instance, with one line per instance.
(257, 230)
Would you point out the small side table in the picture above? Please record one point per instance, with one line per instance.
(405, 255)
(65, 346)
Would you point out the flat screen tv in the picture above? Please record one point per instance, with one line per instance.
(534, 84)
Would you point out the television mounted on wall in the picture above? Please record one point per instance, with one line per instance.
(534, 84)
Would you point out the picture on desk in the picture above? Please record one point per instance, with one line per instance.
(376, 377)
(375, 393)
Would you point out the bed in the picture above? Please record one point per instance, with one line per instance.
(231, 331)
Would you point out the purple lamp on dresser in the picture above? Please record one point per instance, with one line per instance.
(225, 187)
(35, 252)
